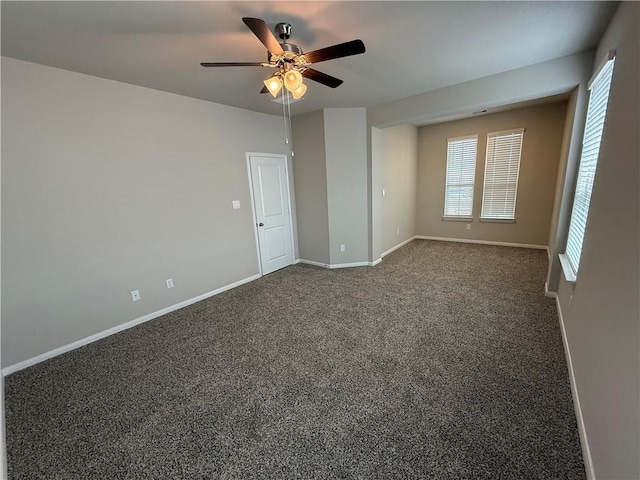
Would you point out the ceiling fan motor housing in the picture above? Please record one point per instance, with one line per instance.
(290, 47)
(292, 55)
(283, 29)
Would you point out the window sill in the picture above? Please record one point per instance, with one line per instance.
(569, 276)
(498, 220)
(457, 219)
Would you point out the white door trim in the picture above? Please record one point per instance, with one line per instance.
(253, 202)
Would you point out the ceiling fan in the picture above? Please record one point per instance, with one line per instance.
(289, 61)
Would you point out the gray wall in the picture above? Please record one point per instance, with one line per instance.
(347, 189)
(544, 125)
(395, 163)
(310, 178)
(449, 103)
(601, 315)
(330, 170)
(109, 187)
(3, 450)
(561, 75)
(601, 310)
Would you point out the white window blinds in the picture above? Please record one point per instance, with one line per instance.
(461, 170)
(502, 166)
(596, 113)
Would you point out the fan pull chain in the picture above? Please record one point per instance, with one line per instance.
(290, 128)
(284, 116)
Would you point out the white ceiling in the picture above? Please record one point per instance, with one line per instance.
(412, 47)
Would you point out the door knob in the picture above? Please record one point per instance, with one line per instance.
(261, 224)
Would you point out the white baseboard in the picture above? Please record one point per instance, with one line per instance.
(118, 328)
(349, 265)
(315, 264)
(586, 452)
(482, 242)
(332, 266)
(547, 293)
(400, 245)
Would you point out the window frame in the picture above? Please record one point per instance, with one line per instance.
(587, 165)
(447, 185)
(484, 217)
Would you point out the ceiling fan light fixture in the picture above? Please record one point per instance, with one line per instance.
(292, 80)
(300, 91)
(273, 84)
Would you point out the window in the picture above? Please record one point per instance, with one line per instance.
(461, 170)
(596, 113)
(502, 166)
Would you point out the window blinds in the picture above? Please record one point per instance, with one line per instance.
(596, 112)
(461, 169)
(502, 166)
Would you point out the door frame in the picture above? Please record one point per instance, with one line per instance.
(253, 204)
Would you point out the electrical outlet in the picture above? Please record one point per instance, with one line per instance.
(135, 295)
(235, 204)
(169, 282)
(468, 226)
(342, 248)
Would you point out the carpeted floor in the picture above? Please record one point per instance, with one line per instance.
(443, 362)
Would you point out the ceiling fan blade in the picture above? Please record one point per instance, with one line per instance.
(322, 78)
(354, 47)
(264, 90)
(261, 30)
(231, 64)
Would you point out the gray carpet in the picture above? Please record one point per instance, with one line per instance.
(443, 362)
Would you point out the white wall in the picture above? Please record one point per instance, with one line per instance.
(347, 189)
(601, 311)
(109, 187)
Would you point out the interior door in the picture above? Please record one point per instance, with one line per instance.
(272, 210)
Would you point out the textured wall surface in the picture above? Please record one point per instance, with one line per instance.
(544, 126)
(601, 311)
(108, 188)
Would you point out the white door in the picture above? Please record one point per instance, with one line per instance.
(273, 213)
